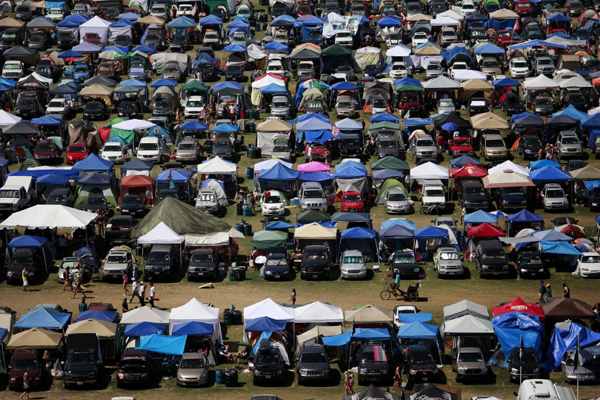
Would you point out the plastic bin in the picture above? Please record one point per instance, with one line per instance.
(240, 212)
(237, 317)
(233, 275)
(247, 230)
(220, 376)
(249, 172)
(231, 377)
(247, 210)
(228, 317)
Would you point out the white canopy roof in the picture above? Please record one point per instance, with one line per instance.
(508, 165)
(268, 308)
(145, 314)
(266, 81)
(440, 83)
(469, 74)
(541, 82)
(451, 14)
(218, 239)
(465, 307)
(217, 166)
(95, 25)
(318, 313)
(194, 310)
(7, 119)
(444, 21)
(398, 51)
(429, 170)
(161, 234)
(575, 82)
(50, 216)
(266, 165)
(468, 325)
(134, 125)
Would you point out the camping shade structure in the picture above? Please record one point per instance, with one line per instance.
(195, 311)
(314, 166)
(318, 313)
(428, 171)
(362, 239)
(433, 392)
(421, 331)
(104, 315)
(587, 173)
(469, 171)
(515, 328)
(104, 330)
(315, 233)
(373, 393)
(162, 344)
(145, 314)
(144, 328)
(192, 328)
(488, 121)
(43, 318)
(7, 119)
(49, 216)
(369, 314)
(467, 325)
(35, 339)
(311, 335)
(519, 306)
(566, 308)
(465, 307)
(267, 312)
(484, 230)
(262, 240)
(161, 234)
(506, 178)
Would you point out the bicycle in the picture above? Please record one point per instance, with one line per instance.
(412, 294)
(429, 209)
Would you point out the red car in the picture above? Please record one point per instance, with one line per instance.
(505, 37)
(523, 8)
(460, 146)
(101, 307)
(304, 9)
(76, 152)
(352, 202)
(30, 361)
(91, 37)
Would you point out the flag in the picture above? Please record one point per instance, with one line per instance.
(517, 26)
(521, 351)
(353, 327)
(171, 181)
(335, 131)
(195, 8)
(576, 356)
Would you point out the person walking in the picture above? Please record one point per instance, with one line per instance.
(134, 291)
(67, 283)
(82, 305)
(142, 293)
(25, 284)
(398, 378)
(566, 291)
(293, 297)
(25, 384)
(548, 292)
(542, 292)
(125, 282)
(152, 294)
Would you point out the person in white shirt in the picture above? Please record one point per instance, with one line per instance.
(152, 294)
(134, 291)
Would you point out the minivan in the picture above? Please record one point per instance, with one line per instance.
(493, 147)
(162, 262)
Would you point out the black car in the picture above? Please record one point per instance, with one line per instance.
(529, 264)
(38, 41)
(277, 265)
(529, 147)
(29, 107)
(313, 364)
(316, 263)
(490, 258)
(129, 109)
(510, 198)
(118, 229)
(222, 147)
(472, 194)
(371, 366)
(573, 165)
(163, 106)
(419, 365)
(23, 12)
(65, 40)
(123, 41)
(136, 368)
(47, 70)
(477, 105)
(577, 100)
(95, 110)
(153, 40)
(179, 44)
(438, 7)
(405, 264)
(532, 32)
(96, 202)
(208, 71)
(351, 145)
(234, 73)
(203, 265)
(513, 104)
(594, 199)
(268, 364)
(133, 204)
(543, 105)
(526, 366)
(61, 197)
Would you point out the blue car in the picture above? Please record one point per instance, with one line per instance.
(82, 72)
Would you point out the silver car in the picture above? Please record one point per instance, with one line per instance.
(447, 261)
(345, 106)
(585, 372)
(193, 370)
(187, 150)
(352, 265)
(569, 145)
(172, 71)
(424, 148)
(396, 202)
(281, 107)
(469, 363)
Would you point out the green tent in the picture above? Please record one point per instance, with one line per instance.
(337, 50)
(384, 125)
(409, 88)
(212, 4)
(310, 216)
(125, 134)
(387, 185)
(264, 239)
(84, 191)
(195, 85)
(390, 162)
(114, 122)
(182, 218)
(29, 163)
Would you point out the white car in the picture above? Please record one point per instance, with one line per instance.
(273, 203)
(419, 38)
(398, 70)
(589, 265)
(458, 67)
(519, 68)
(467, 8)
(185, 10)
(58, 106)
(240, 38)
(152, 150)
(344, 38)
(114, 152)
(403, 310)
(193, 107)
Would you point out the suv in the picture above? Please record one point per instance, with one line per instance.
(313, 364)
(404, 263)
(526, 366)
(135, 368)
(277, 266)
(511, 198)
(448, 36)
(490, 258)
(118, 229)
(447, 261)
(424, 149)
(163, 262)
(188, 150)
(469, 363)
(133, 205)
(151, 149)
(433, 194)
(472, 194)
(529, 146)
(543, 65)
(316, 262)
(554, 197)
(352, 264)
(519, 68)
(493, 147)
(116, 264)
(569, 145)
(268, 364)
(312, 197)
(419, 364)
(281, 107)
(345, 106)
(203, 265)
(374, 364)
(398, 70)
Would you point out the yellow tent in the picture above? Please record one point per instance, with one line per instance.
(36, 338)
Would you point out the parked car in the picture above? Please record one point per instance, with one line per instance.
(188, 150)
(585, 372)
(193, 370)
(313, 364)
(589, 265)
(118, 229)
(202, 265)
(268, 364)
(447, 261)
(510, 198)
(352, 202)
(419, 365)
(529, 264)
(30, 361)
(352, 265)
(569, 145)
(129, 109)
(114, 152)
(523, 366)
(492, 147)
(469, 364)
(554, 197)
(372, 367)
(76, 152)
(46, 150)
(316, 262)
(472, 195)
(397, 202)
(529, 147)
(277, 265)
(404, 263)
(490, 259)
(96, 110)
(116, 264)
(133, 204)
(136, 368)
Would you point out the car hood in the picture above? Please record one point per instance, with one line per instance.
(113, 153)
(186, 152)
(426, 149)
(494, 262)
(313, 366)
(471, 365)
(115, 266)
(451, 263)
(353, 266)
(594, 266)
(352, 203)
(191, 373)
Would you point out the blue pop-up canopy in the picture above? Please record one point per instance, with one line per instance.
(370, 334)
(551, 235)
(506, 82)
(348, 124)
(572, 112)
(144, 49)
(143, 329)
(46, 120)
(313, 124)
(350, 172)
(276, 46)
(133, 83)
(164, 82)
(463, 160)
(396, 232)
(273, 88)
(278, 225)
(593, 121)
(93, 163)
(283, 20)
(87, 47)
(389, 21)
(559, 18)
(418, 330)
(211, 20)
(414, 317)
(70, 53)
(565, 340)
(358, 233)
(95, 179)
(550, 173)
(542, 163)
(162, 344)
(343, 85)
(52, 179)
(316, 176)
(399, 221)
(226, 128)
(175, 175)
(431, 232)
(27, 241)
(130, 16)
(279, 172)
(192, 328)
(480, 217)
(557, 247)
(73, 21)
(43, 318)
(3, 334)
(193, 126)
(384, 117)
(511, 328)
(489, 48)
(235, 48)
(265, 324)
(338, 340)
(362, 239)
(105, 315)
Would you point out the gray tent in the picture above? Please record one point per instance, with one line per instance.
(20, 53)
(41, 23)
(20, 128)
(465, 307)
(100, 80)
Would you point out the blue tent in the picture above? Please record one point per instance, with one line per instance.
(192, 328)
(283, 20)
(565, 340)
(489, 48)
(411, 317)
(343, 85)
(399, 221)
(525, 216)
(309, 116)
(431, 232)
(265, 324)
(117, 139)
(238, 26)
(418, 330)
(480, 217)
(38, 173)
(450, 54)
(27, 241)
(505, 82)
(136, 165)
(279, 172)
(211, 20)
(313, 21)
(164, 82)
(122, 23)
(276, 46)
(313, 124)
(133, 83)
(348, 124)
(572, 112)
(533, 43)
(144, 49)
(173, 345)
(130, 16)
(73, 21)
(193, 126)
(405, 81)
(384, 117)
(93, 163)
(276, 225)
(592, 121)
(370, 334)
(362, 239)
(108, 316)
(463, 160)
(511, 327)
(502, 24)
(176, 176)
(350, 173)
(182, 22)
(46, 120)
(70, 53)
(316, 176)
(550, 235)
(522, 115)
(542, 163)
(549, 173)
(143, 329)
(95, 180)
(226, 128)
(557, 247)
(389, 21)
(318, 137)
(66, 90)
(348, 164)
(274, 88)
(235, 48)
(396, 232)
(52, 179)
(227, 85)
(559, 18)
(338, 340)
(43, 318)
(87, 47)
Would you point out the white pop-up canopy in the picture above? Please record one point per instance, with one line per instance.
(541, 82)
(508, 165)
(444, 21)
(429, 170)
(468, 325)
(134, 125)
(268, 308)
(398, 51)
(318, 313)
(145, 314)
(161, 234)
(194, 310)
(441, 83)
(49, 216)
(270, 163)
(95, 25)
(7, 119)
(217, 166)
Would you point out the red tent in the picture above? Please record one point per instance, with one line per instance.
(469, 170)
(484, 230)
(140, 185)
(518, 305)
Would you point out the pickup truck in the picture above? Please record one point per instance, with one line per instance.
(13, 69)
(83, 361)
(16, 194)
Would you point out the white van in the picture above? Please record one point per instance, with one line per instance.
(152, 150)
(544, 389)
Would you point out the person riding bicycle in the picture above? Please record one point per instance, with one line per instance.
(395, 286)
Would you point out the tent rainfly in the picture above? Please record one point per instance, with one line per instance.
(318, 313)
(161, 234)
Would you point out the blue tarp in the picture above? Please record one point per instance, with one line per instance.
(279, 172)
(144, 49)
(489, 48)
(370, 334)
(337, 340)
(556, 247)
(226, 128)
(592, 185)
(136, 165)
(506, 82)
(463, 160)
(38, 173)
(239, 26)
(414, 317)
(389, 21)
(46, 120)
(263, 336)
(533, 43)
(450, 54)
(192, 328)
(173, 345)
(511, 327)
(318, 137)
(108, 316)
(27, 241)
(565, 340)
(431, 232)
(542, 163)
(316, 176)
(52, 179)
(399, 221)
(143, 329)
(43, 318)
(313, 21)
(559, 18)
(95, 180)
(175, 175)
(265, 324)
(499, 25)
(384, 117)
(550, 173)
(350, 172)
(93, 163)
(572, 112)
(525, 216)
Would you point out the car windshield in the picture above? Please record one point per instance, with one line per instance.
(544, 61)
(520, 64)
(159, 257)
(187, 146)
(590, 259)
(81, 359)
(570, 140)
(528, 357)
(462, 142)
(425, 142)
(344, 104)
(273, 199)
(344, 35)
(404, 259)
(434, 192)
(352, 197)
(133, 368)
(459, 66)
(280, 104)
(495, 253)
(313, 194)
(534, 260)
(494, 143)
(148, 146)
(470, 357)
(474, 191)
(94, 106)
(112, 148)
(9, 194)
(191, 363)
(12, 66)
(397, 197)
(280, 148)
(268, 359)
(316, 255)
(446, 103)
(478, 33)
(9, 35)
(555, 193)
(490, 64)
(313, 358)
(201, 257)
(512, 191)
(353, 260)
(421, 358)
(116, 259)
(133, 200)
(451, 255)
(43, 147)
(96, 201)
(25, 364)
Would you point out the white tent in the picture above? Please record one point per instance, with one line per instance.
(575, 82)
(468, 325)
(508, 165)
(441, 83)
(95, 25)
(115, 31)
(444, 21)
(451, 14)
(51, 216)
(145, 314)
(429, 170)
(194, 310)
(399, 51)
(7, 119)
(217, 166)
(541, 82)
(218, 239)
(465, 307)
(268, 308)
(270, 163)
(39, 78)
(318, 313)
(134, 125)
(161, 234)
(266, 81)
(467, 75)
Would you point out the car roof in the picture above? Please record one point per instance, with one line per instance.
(352, 253)
(194, 356)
